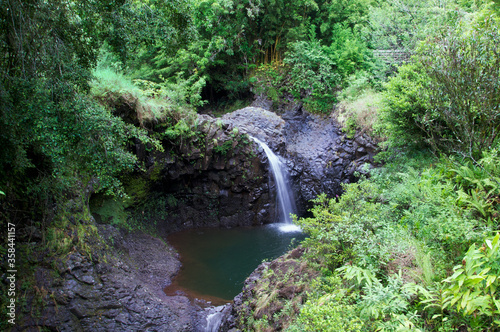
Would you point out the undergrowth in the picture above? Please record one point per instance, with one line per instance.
(149, 102)
(413, 247)
(358, 113)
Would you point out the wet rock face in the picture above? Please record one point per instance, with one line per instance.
(322, 156)
(219, 177)
(319, 155)
(215, 179)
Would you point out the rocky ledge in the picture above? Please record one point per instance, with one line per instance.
(319, 155)
(215, 178)
(120, 291)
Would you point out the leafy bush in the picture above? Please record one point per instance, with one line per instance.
(325, 315)
(348, 51)
(313, 77)
(318, 72)
(406, 103)
(448, 99)
(472, 289)
(479, 185)
(270, 79)
(378, 301)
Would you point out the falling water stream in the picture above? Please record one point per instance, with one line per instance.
(286, 201)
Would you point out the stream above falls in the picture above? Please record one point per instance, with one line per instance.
(216, 261)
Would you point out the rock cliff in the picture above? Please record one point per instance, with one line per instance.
(319, 155)
(216, 177)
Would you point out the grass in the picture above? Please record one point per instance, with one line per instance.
(151, 102)
(360, 112)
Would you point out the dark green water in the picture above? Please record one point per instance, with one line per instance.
(216, 262)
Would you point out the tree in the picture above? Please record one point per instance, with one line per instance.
(401, 24)
(53, 135)
(449, 99)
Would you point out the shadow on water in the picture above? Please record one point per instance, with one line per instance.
(216, 262)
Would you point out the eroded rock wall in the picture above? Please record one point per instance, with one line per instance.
(114, 284)
(220, 178)
(320, 157)
(214, 179)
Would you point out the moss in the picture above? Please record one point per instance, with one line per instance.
(108, 209)
(137, 188)
(172, 201)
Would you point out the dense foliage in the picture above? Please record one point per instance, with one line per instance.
(54, 136)
(225, 43)
(448, 97)
(415, 246)
(182, 53)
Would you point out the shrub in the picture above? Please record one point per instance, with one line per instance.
(472, 289)
(318, 72)
(327, 315)
(395, 236)
(360, 112)
(449, 97)
(479, 185)
(270, 79)
(405, 103)
(473, 286)
(313, 75)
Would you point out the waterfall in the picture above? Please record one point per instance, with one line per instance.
(286, 201)
(214, 318)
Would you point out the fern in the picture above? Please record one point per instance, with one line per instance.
(472, 289)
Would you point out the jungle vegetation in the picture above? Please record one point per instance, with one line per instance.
(412, 246)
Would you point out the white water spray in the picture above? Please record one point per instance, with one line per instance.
(286, 201)
(214, 318)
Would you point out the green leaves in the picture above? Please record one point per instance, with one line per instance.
(360, 275)
(375, 236)
(56, 138)
(448, 99)
(326, 315)
(479, 184)
(472, 289)
(318, 72)
(313, 75)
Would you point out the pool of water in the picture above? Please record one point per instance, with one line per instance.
(216, 262)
